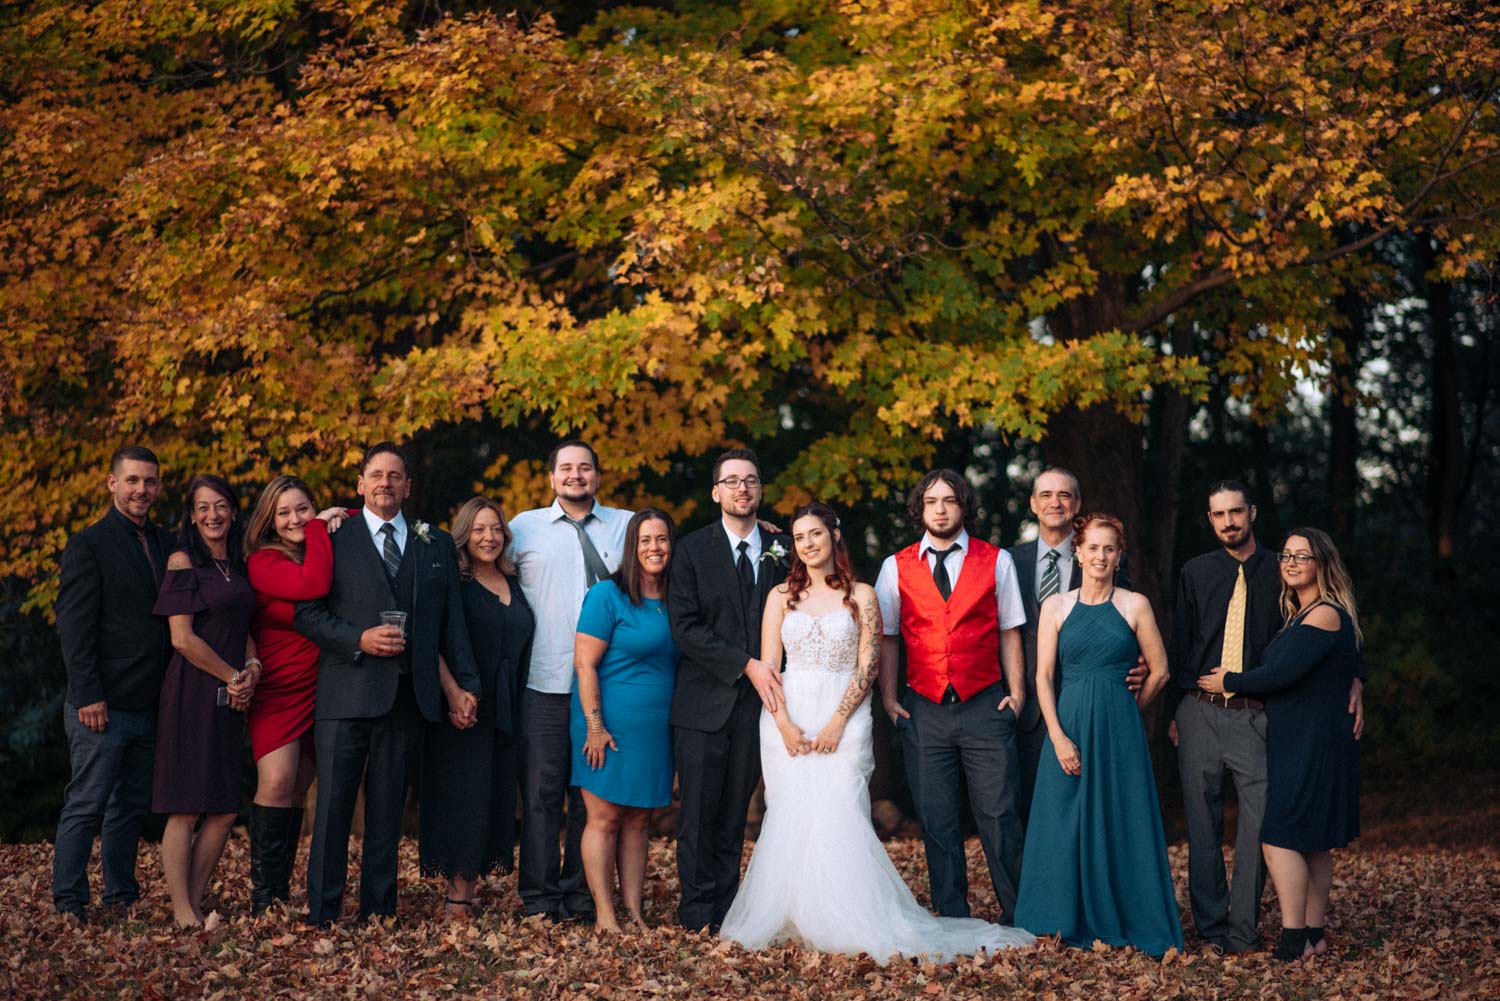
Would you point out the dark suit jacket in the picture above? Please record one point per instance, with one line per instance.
(1024, 556)
(354, 685)
(115, 649)
(710, 624)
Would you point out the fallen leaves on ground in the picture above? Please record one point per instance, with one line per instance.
(1409, 921)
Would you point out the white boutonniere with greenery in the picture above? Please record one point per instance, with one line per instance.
(775, 552)
(422, 530)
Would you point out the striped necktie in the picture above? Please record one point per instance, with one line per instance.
(389, 553)
(1232, 656)
(1049, 577)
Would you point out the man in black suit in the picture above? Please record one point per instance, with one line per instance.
(115, 651)
(1044, 567)
(374, 689)
(720, 577)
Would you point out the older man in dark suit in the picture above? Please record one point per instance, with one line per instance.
(375, 687)
(115, 651)
(720, 577)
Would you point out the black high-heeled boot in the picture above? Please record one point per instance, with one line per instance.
(1315, 936)
(261, 849)
(286, 834)
(1293, 942)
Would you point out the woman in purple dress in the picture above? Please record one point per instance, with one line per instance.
(200, 725)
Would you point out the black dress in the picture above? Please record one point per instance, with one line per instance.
(199, 743)
(468, 817)
(1312, 758)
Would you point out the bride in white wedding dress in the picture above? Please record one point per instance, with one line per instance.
(819, 875)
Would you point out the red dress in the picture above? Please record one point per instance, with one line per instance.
(282, 709)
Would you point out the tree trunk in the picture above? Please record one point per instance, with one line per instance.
(1445, 439)
(1105, 449)
(1343, 431)
(1167, 442)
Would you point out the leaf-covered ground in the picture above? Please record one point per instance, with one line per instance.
(1416, 916)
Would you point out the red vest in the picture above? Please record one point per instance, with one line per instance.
(956, 642)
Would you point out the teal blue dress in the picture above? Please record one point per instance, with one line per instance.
(1095, 863)
(636, 677)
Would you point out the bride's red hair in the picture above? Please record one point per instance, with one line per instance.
(798, 580)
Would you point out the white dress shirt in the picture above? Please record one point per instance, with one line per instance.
(755, 547)
(1064, 563)
(1012, 613)
(374, 522)
(549, 562)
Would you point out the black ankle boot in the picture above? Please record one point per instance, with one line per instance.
(1315, 936)
(260, 857)
(1293, 942)
(286, 834)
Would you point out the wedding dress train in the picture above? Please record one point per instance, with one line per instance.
(819, 875)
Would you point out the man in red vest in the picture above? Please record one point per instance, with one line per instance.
(954, 600)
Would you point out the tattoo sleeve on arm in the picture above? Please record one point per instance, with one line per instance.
(867, 665)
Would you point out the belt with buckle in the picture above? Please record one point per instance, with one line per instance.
(1232, 702)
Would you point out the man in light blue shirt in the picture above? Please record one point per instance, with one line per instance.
(560, 551)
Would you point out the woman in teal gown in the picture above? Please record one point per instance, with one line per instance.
(1095, 863)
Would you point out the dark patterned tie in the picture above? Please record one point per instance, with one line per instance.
(746, 571)
(940, 571)
(389, 552)
(140, 533)
(1049, 577)
(594, 569)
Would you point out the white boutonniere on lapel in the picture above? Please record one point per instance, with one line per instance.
(422, 530)
(776, 553)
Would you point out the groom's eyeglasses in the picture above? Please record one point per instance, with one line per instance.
(735, 482)
(1301, 559)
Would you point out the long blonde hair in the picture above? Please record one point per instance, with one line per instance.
(463, 524)
(1335, 586)
(261, 533)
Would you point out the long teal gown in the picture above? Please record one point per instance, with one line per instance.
(1095, 863)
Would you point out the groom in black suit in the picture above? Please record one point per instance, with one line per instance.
(720, 577)
(374, 689)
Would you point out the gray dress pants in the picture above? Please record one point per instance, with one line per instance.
(948, 747)
(1212, 742)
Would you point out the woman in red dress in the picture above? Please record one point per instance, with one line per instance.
(290, 559)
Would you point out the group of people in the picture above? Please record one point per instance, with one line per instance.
(585, 656)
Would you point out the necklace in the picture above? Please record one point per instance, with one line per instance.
(222, 567)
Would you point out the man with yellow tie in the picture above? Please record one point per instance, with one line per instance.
(1228, 610)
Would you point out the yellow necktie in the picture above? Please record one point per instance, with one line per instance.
(1232, 656)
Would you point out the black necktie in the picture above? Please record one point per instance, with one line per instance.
(746, 571)
(389, 552)
(140, 533)
(940, 571)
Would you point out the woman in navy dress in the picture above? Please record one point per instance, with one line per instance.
(1095, 858)
(200, 726)
(626, 663)
(468, 816)
(1312, 757)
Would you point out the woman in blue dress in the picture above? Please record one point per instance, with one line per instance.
(1095, 862)
(626, 664)
(1312, 756)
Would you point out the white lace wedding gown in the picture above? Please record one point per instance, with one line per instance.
(819, 875)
